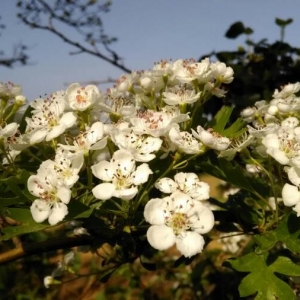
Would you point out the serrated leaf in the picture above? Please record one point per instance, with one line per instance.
(262, 281)
(27, 224)
(288, 232)
(265, 241)
(231, 172)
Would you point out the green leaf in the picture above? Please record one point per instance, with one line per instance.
(231, 172)
(27, 224)
(221, 119)
(288, 232)
(236, 29)
(78, 210)
(265, 241)
(283, 23)
(237, 128)
(262, 279)
(11, 201)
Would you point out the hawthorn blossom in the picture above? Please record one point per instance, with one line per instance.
(49, 119)
(211, 139)
(187, 183)
(221, 72)
(180, 220)
(81, 98)
(157, 123)
(287, 91)
(91, 139)
(52, 197)
(285, 144)
(140, 146)
(291, 197)
(185, 141)
(190, 70)
(180, 95)
(120, 175)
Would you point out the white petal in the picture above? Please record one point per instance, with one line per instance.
(190, 244)
(104, 191)
(55, 132)
(40, 210)
(64, 194)
(166, 185)
(103, 170)
(9, 129)
(271, 141)
(202, 218)
(35, 185)
(154, 211)
(297, 209)
(294, 176)
(141, 174)
(290, 195)
(126, 194)
(100, 144)
(68, 119)
(38, 136)
(160, 237)
(59, 211)
(279, 155)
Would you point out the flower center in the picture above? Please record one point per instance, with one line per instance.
(178, 222)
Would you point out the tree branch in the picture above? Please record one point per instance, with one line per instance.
(80, 17)
(46, 246)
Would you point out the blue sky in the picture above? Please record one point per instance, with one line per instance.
(148, 31)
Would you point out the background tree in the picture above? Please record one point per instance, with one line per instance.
(18, 55)
(259, 67)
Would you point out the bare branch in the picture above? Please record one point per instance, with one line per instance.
(82, 16)
(46, 246)
(18, 56)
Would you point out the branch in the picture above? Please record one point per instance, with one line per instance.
(77, 45)
(18, 56)
(46, 246)
(31, 17)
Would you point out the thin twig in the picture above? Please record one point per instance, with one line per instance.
(45, 246)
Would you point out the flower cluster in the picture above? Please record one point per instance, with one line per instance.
(276, 132)
(180, 218)
(95, 147)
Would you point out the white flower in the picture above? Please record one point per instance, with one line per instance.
(187, 183)
(8, 130)
(222, 73)
(283, 145)
(178, 220)
(287, 91)
(67, 168)
(184, 141)
(290, 195)
(157, 123)
(140, 146)
(179, 96)
(49, 120)
(91, 139)
(51, 196)
(190, 70)
(81, 98)
(120, 176)
(211, 138)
